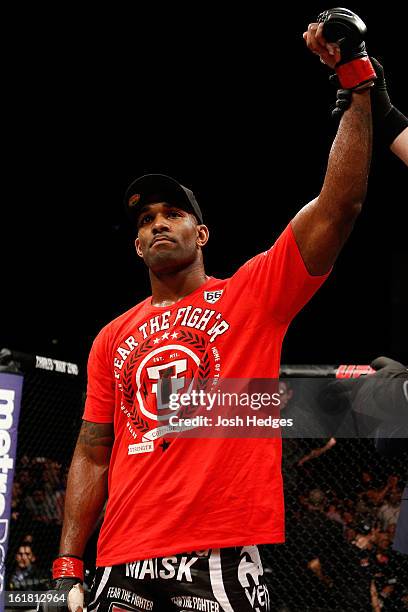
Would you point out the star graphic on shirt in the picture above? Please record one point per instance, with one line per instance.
(156, 341)
(174, 335)
(165, 336)
(164, 445)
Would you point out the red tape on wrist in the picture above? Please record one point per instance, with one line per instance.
(68, 567)
(355, 73)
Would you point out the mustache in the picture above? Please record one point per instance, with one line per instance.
(161, 237)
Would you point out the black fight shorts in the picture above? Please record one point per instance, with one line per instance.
(213, 580)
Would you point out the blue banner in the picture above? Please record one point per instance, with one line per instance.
(10, 400)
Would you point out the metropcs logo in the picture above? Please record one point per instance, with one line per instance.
(7, 397)
(213, 296)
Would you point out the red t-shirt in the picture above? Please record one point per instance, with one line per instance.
(190, 494)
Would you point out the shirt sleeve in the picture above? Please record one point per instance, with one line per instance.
(279, 280)
(100, 394)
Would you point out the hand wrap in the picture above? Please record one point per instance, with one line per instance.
(388, 121)
(346, 29)
(67, 594)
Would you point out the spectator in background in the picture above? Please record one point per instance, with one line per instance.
(316, 452)
(389, 511)
(377, 495)
(54, 488)
(339, 579)
(23, 476)
(296, 403)
(16, 502)
(26, 576)
(387, 392)
(43, 508)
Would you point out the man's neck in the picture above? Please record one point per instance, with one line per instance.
(167, 289)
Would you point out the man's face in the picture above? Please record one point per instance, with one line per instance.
(169, 238)
(285, 394)
(24, 556)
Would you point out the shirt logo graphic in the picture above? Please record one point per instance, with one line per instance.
(213, 296)
(165, 370)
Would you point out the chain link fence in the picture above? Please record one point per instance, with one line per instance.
(50, 418)
(342, 501)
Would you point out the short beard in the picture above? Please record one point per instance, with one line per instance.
(163, 264)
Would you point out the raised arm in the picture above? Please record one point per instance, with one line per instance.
(322, 226)
(87, 486)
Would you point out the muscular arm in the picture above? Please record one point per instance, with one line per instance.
(322, 227)
(87, 486)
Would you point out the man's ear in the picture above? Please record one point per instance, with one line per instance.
(203, 235)
(138, 249)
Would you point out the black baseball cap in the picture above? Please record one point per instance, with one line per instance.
(140, 192)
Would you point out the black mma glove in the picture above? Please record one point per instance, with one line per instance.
(343, 27)
(388, 121)
(335, 397)
(67, 594)
(334, 407)
(384, 394)
(378, 406)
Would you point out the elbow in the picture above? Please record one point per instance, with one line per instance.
(354, 198)
(350, 200)
(350, 210)
(343, 217)
(356, 207)
(344, 208)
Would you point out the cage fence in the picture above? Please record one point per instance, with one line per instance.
(342, 501)
(50, 418)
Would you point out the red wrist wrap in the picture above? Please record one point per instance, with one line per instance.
(68, 567)
(355, 73)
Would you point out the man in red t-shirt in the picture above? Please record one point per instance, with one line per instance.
(184, 514)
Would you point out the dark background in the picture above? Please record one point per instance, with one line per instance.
(232, 105)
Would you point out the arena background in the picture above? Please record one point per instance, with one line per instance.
(232, 105)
